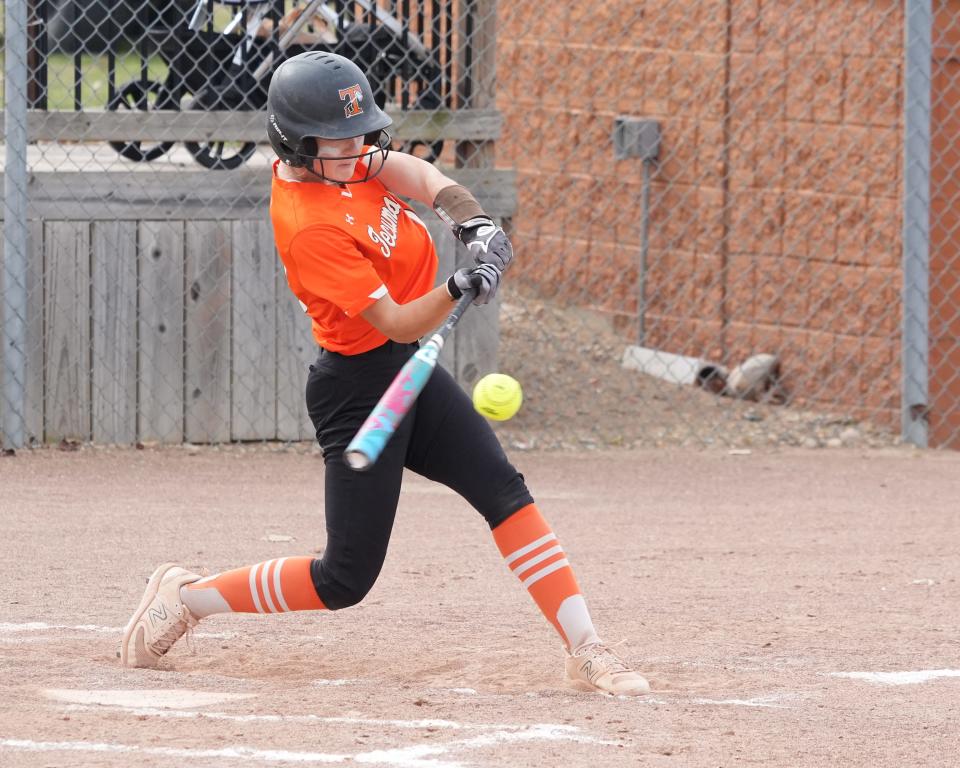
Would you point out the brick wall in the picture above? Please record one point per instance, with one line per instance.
(775, 216)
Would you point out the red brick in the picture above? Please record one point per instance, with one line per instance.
(528, 21)
(815, 88)
(799, 20)
(757, 85)
(670, 285)
(879, 382)
(599, 22)
(945, 382)
(883, 154)
(883, 244)
(740, 287)
(880, 302)
(768, 301)
(851, 241)
(738, 340)
(678, 151)
(711, 26)
(818, 364)
(872, 91)
(744, 17)
(670, 334)
(710, 140)
(832, 26)
(830, 159)
(756, 222)
(697, 85)
(603, 79)
(782, 288)
(672, 217)
(658, 80)
(835, 294)
(946, 30)
(810, 225)
(874, 27)
(846, 382)
(757, 150)
(708, 283)
(709, 215)
(670, 25)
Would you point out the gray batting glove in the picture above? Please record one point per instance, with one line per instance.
(487, 242)
(484, 279)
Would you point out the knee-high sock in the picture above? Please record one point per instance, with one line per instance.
(533, 553)
(274, 586)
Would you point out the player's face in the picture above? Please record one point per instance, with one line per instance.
(338, 156)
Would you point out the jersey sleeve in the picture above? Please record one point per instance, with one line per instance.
(331, 267)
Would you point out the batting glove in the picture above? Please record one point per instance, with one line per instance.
(486, 241)
(484, 279)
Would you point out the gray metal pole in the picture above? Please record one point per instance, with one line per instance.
(15, 226)
(915, 343)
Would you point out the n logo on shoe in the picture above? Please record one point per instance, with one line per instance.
(588, 670)
(157, 615)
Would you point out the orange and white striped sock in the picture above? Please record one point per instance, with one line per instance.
(274, 586)
(533, 553)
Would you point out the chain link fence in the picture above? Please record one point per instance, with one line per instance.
(710, 203)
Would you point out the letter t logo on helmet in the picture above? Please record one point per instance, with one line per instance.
(353, 96)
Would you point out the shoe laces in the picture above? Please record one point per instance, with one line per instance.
(605, 655)
(176, 630)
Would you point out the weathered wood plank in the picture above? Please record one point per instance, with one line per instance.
(160, 328)
(114, 332)
(239, 194)
(67, 320)
(100, 125)
(33, 385)
(254, 317)
(35, 310)
(296, 349)
(207, 358)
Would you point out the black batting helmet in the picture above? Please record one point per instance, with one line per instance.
(319, 95)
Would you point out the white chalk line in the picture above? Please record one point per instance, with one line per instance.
(254, 718)
(898, 678)
(10, 628)
(415, 756)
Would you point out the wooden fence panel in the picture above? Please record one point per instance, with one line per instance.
(296, 349)
(33, 419)
(35, 332)
(254, 318)
(67, 320)
(114, 332)
(160, 329)
(207, 374)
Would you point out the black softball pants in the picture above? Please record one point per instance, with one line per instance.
(442, 438)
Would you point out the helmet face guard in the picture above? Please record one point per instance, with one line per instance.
(378, 149)
(318, 95)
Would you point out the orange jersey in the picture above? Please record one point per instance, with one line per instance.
(345, 247)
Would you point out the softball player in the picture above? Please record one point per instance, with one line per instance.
(363, 266)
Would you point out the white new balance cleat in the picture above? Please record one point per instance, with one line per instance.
(595, 667)
(160, 620)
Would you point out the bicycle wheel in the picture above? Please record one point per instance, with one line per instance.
(218, 155)
(143, 96)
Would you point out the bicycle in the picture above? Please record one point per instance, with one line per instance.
(208, 70)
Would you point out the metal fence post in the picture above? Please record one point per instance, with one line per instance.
(15, 226)
(918, 54)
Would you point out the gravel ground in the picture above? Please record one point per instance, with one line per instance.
(577, 395)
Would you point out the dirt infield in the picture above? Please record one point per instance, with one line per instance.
(752, 589)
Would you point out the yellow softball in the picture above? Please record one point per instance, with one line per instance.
(497, 396)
